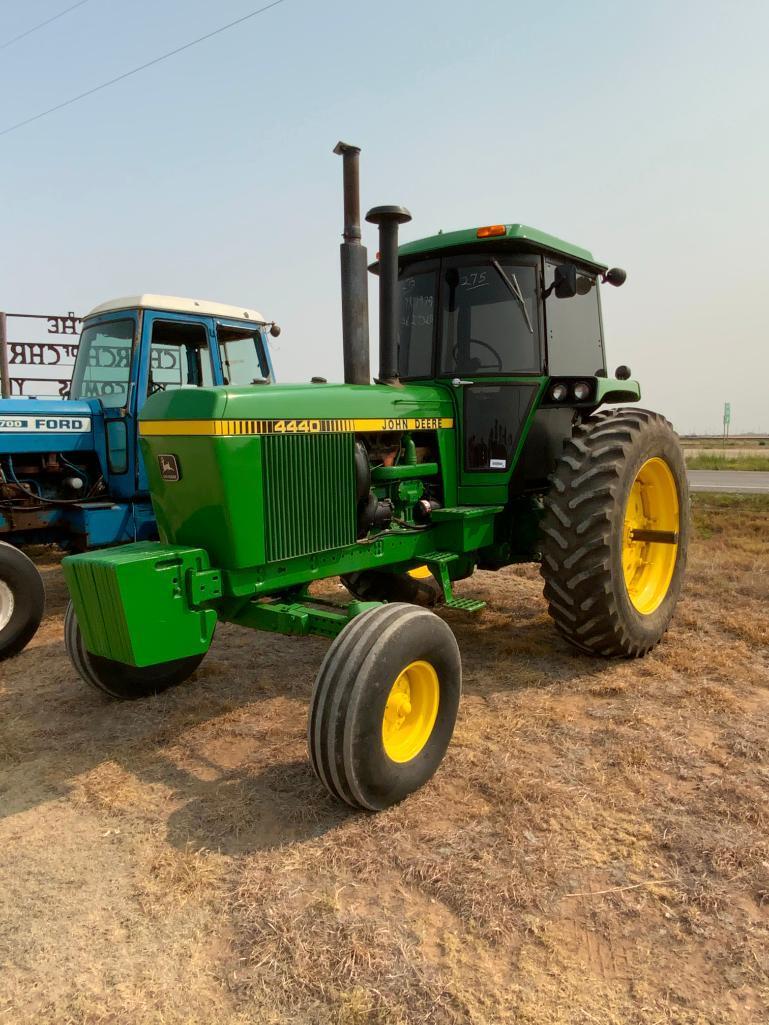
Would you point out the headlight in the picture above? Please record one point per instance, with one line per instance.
(581, 391)
(559, 392)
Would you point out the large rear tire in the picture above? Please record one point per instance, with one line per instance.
(22, 600)
(384, 705)
(615, 533)
(124, 682)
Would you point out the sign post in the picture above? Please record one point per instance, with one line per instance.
(5, 376)
(727, 420)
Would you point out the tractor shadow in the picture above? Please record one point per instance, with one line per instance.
(240, 813)
(522, 655)
(232, 737)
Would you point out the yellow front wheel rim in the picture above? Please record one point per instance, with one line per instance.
(410, 711)
(652, 505)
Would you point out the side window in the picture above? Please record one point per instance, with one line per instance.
(574, 343)
(489, 317)
(417, 324)
(179, 356)
(240, 352)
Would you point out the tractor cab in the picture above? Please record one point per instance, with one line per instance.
(135, 347)
(510, 317)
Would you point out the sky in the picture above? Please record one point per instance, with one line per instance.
(636, 130)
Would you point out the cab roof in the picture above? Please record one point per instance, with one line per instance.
(178, 304)
(526, 237)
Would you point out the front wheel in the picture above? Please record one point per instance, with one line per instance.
(384, 705)
(22, 600)
(118, 680)
(615, 533)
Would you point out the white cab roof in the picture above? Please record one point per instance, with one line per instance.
(177, 304)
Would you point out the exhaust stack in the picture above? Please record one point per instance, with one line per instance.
(388, 218)
(353, 260)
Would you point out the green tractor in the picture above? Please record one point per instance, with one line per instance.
(486, 440)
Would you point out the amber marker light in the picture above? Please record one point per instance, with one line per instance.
(491, 230)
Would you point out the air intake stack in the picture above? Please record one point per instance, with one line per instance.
(354, 281)
(388, 218)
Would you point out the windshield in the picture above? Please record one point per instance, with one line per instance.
(487, 311)
(242, 355)
(103, 363)
(488, 319)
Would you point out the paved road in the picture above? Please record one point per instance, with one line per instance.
(747, 482)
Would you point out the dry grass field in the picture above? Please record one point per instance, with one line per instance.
(728, 459)
(595, 848)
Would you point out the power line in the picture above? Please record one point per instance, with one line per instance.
(141, 67)
(23, 35)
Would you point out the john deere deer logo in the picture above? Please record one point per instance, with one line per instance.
(169, 468)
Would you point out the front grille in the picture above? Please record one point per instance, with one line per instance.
(309, 493)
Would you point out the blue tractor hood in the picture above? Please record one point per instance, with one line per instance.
(48, 425)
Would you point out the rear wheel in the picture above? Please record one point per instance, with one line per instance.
(416, 587)
(118, 679)
(22, 600)
(384, 705)
(616, 529)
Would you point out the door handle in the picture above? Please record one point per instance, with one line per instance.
(458, 381)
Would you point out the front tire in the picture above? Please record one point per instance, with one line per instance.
(615, 533)
(384, 705)
(118, 680)
(22, 600)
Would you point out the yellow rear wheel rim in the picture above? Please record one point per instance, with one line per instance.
(411, 711)
(648, 565)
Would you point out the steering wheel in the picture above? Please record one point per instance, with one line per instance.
(481, 366)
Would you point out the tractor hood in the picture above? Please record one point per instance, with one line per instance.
(47, 425)
(263, 475)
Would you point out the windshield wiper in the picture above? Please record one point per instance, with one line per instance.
(515, 288)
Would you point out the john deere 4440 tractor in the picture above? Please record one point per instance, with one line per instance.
(488, 438)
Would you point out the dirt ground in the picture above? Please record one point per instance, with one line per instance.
(594, 848)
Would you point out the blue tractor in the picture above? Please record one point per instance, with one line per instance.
(70, 471)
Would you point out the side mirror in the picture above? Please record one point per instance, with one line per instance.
(616, 276)
(274, 329)
(565, 281)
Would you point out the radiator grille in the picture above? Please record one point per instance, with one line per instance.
(309, 493)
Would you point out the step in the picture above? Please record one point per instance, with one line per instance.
(465, 604)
